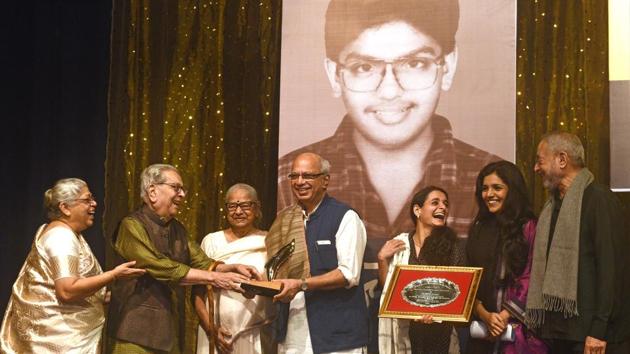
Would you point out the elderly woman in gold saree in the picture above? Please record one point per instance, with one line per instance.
(57, 301)
(239, 323)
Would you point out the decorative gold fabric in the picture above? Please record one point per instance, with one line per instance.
(562, 82)
(193, 84)
(35, 320)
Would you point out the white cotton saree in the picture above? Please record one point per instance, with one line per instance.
(242, 317)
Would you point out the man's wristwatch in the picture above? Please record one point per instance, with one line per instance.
(304, 285)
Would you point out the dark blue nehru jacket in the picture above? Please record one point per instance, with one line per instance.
(337, 318)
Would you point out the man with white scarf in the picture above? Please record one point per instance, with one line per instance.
(579, 281)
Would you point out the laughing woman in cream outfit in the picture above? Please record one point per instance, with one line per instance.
(240, 324)
(57, 300)
(431, 243)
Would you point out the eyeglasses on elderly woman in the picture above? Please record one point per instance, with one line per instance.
(245, 206)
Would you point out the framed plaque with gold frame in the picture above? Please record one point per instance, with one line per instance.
(446, 293)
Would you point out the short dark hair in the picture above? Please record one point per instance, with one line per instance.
(347, 19)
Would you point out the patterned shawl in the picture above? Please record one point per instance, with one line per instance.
(288, 226)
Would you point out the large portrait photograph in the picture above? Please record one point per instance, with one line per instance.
(397, 95)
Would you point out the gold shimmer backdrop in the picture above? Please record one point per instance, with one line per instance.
(195, 84)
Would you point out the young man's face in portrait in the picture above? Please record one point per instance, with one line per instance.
(390, 79)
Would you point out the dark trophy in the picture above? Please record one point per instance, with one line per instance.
(269, 288)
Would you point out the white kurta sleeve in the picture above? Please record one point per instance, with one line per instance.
(351, 240)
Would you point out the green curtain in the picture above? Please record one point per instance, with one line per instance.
(195, 84)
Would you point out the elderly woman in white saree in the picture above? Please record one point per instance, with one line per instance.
(239, 323)
(57, 301)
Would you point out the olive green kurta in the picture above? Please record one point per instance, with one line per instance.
(140, 321)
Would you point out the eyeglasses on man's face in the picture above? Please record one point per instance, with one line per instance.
(176, 187)
(293, 176)
(362, 74)
(245, 206)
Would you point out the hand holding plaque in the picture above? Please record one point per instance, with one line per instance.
(270, 288)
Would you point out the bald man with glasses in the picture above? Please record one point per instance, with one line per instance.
(322, 307)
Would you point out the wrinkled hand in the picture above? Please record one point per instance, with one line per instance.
(426, 319)
(247, 271)
(227, 281)
(390, 248)
(593, 345)
(126, 271)
(496, 324)
(290, 287)
(223, 340)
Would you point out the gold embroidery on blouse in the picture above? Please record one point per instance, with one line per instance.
(36, 319)
(64, 266)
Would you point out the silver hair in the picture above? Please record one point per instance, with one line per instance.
(64, 190)
(251, 191)
(244, 186)
(325, 165)
(154, 174)
(568, 143)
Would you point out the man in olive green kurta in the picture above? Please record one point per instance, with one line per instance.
(141, 313)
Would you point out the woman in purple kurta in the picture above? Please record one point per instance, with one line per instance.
(501, 241)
